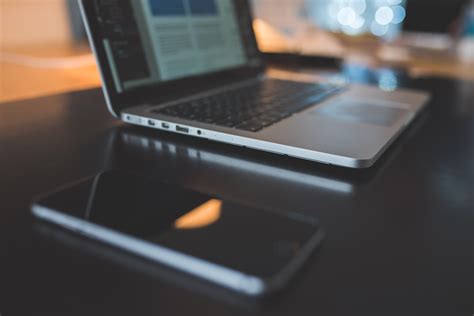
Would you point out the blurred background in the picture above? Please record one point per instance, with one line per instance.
(43, 46)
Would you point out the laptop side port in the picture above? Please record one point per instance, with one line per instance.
(165, 125)
(182, 129)
(151, 123)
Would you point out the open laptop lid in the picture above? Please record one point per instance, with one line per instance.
(150, 51)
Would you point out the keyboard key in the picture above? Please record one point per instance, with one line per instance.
(229, 122)
(250, 126)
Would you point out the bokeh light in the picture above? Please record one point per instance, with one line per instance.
(381, 18)
(384, 15)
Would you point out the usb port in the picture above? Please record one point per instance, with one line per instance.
(151, 123)
(182, 129)
(165, 125)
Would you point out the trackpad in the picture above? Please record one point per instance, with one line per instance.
(360, 111)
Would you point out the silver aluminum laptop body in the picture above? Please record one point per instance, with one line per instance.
(350, 129)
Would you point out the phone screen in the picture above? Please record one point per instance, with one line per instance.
(229, 234)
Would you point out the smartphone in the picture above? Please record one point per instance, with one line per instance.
(244, 248)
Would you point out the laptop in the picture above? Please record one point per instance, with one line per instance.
(193, 67)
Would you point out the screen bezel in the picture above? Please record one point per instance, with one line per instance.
(164, 91)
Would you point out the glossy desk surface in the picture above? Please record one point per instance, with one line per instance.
(400, 236)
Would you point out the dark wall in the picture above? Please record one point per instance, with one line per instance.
(434, 16)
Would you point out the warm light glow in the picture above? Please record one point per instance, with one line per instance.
(269, 39)
(204, 215)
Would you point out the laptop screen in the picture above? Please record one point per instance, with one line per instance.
(147, 42)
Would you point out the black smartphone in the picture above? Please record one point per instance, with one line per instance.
(253, 251)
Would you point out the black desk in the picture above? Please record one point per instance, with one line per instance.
(400, 236)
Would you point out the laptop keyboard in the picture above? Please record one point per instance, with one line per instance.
(253, 107)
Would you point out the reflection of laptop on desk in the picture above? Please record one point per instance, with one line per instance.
(193, 67)
(209, 161)
(209, 168)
